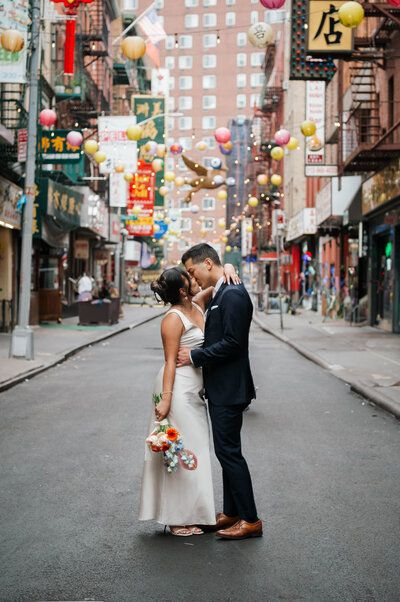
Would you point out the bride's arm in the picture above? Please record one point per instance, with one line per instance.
(230, 276)
(171, 332)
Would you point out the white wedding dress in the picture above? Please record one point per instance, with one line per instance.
(184, 497)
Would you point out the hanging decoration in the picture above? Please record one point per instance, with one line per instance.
(308, 128)
(260, 35)
(99, 157)
(222, 195)
(272, 4)
(71, 7)
(12, 40)
(128, 176)
(249, 229)
(176, 149)
(169, 176)
(221, 222)
(351, 14)
(91, 147)
(161, 150)
(230, 181)
(216, 163)
(151, 147)
(262, 179)
(133, 47)
(277, 153)
(222, 135)
(119, 168)
(223, 150)
(201, 146)
(194, 209)
(228, 248)
(276, 179)
(253, 201)
(163, 190)
(218, 179)
(293, 144)
(205, 178)
(74, 138)
(47, 117)
(179, 181)
(282, 137)
(157, 164)
(134, 132)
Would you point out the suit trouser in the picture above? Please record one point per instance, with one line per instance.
(238, 490)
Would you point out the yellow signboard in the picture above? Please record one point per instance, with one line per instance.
(326, 35)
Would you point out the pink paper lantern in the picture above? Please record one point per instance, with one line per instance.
(222, 135)
(395, 3)
(47, 117)
(273, 3)
(74, 138)
(282, 137)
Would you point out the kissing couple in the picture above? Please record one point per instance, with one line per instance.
(205, 336)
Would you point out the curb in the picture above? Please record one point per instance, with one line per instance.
(373, 396)
(4, 386)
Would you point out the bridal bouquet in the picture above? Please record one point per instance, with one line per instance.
(167, 439)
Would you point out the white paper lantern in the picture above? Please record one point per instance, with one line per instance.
(260, 34)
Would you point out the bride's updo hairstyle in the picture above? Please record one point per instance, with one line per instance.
(167, 286)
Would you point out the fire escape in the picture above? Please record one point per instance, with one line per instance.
(13, 117)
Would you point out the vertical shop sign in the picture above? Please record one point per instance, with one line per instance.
(139, 219)
(326, 34)
(116, 145)
(315, 111)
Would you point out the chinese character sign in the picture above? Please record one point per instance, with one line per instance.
(64, 203)
(325, 32)
(140, 205)
(315, 111)
(55, 148)
(115, 143)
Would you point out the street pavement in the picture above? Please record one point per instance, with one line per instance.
(324, 465)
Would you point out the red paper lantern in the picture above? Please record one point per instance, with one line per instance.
(70, 30)
(47, 117)
(395, 3)
(222, 135)
(272, 3)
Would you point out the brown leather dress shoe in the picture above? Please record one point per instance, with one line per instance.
(241, 530)
(222, 522)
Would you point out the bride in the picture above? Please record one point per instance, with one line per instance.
(185, 498)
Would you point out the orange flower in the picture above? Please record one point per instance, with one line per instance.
(172, 434)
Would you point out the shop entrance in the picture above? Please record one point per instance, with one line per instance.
(383, 280)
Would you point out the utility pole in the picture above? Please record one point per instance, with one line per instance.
(278, 266)
(22, 336)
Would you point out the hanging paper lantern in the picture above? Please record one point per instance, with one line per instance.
(276, 179)
(74, 138)
(224, 151)
(216, 163)
(119, 168)
(128, 177)
(224, 239)
(194, 209)
(157, 165)
(161, 150)
(12, 40)
(151, 147)
(262, 179)
(253, 201)
(395, 3)
(169, 176)
(134, 132)
(163, 190)
(222, 135)
(260, 34)
(218, 180)
(249, 229)
(91, 147)
(308, 128)
(351, 14)
(221, 222)
(179, 181)
(133, 47)
(282, 137)
(228, 145)
(201, 146)
(292, 144)
(47, 117)
(167, 220)
(99, 157)
(227, 232)
(228, 248)
(230, 181)
(315, 144)
(222, 195)
(272, 4)
(277, 153)
(176, 149)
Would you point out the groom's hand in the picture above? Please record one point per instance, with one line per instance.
(183, 358)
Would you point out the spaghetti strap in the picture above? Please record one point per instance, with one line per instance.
(198, 307)
(185, 321)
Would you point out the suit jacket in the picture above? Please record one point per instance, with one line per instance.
(224, 356)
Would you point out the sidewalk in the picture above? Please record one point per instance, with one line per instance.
(54, 342)
(365, 357)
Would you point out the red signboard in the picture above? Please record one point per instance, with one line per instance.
(22, 142)
(140, 203)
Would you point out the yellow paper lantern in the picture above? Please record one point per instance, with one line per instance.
(308, 128)
(249, 229)
(228, 145)
(156, 228)
(222, 195)
(292, 144)
(224, 239)
(276, 179)
(99, 157)
(179, 181)
(157, 164)
(228, 248)
(167, 220)
(161, 150)
(201, 146)
(91, 147)
(221, 222)
(133, 47)
(351, 14)
(262, 179)
(169, 176)
(277, 153)
(163, 190)
(253, 201)
(137, 209)
(119, 168)
(134, 132)
(12, 40)
(128, 177)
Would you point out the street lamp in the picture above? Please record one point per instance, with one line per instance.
(124, 234)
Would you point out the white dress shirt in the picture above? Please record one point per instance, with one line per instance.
(217, 286)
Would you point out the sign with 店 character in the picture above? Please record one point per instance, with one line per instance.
(326, 34)
(55, 148)
(64, 204)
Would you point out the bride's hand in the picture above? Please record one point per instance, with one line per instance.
(162, 409)
(230, 275)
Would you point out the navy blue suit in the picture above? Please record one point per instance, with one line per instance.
(229, 389)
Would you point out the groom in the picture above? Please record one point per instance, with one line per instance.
(228, 384)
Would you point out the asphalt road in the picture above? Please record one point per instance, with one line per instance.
(325, 466)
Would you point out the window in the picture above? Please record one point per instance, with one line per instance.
(171, 83)
(191, 3)
(274, 16)
(210, 141)
(131, 5)
(254, 17)
(185, 103)
(186, 82)
(241, 80)
(241, 59)
(191, 21)
(186, 143)
(186, 224)
(231, 2)
(159, 4)
(209, 61)
(209, 19)
(256, 79)
(169, 42)
(209, 81)
(208, 123)
(169, 62)
(209, 2)
(185, 62)
(208, 203)
(208, 223)
(209, 102)
(170, 160)
(230, 19)
(241, 101)
(207, 161)
(241, 38)
(185, 123)
(209, 40)
(185, 41)
(254, 100)
(257, 59)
